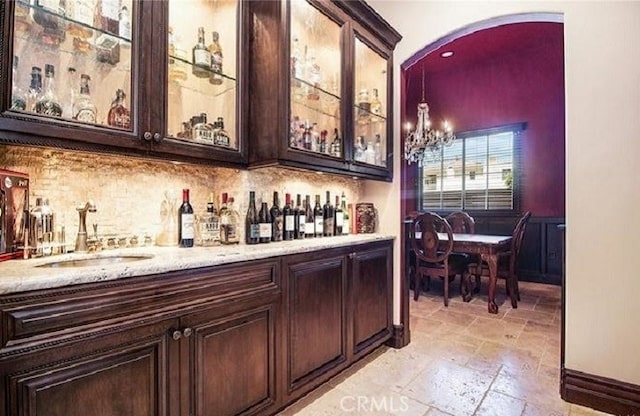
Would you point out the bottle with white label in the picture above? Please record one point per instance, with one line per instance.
(318, 216)
(186, 221)
(264, 220)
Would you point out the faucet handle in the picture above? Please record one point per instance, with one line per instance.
(95, 230)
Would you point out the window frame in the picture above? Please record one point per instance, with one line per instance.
(518, 130)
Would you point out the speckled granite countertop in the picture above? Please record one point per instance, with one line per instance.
(23, 275)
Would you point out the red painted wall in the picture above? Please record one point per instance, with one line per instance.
(524, 86)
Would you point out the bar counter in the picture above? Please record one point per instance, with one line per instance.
(24, 275)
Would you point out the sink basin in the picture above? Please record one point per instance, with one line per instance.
(96, 261)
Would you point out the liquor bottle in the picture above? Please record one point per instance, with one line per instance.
(345, 214)
(289, 219)
(358, 149)
(48, 103)
(377, 150)
(186, 221)
(124, 26)
(370, 154)
(328, 215)
(209, 226)
(309, 221)
(338, 218)
(307, 137)
(231, 224)
(299, 219)
(215, 77)
(313, 74)
(252, 227)
(276, 219)
(82, 13)
(119, 115)
(177, 58)
(47, 14)
(35, 88)
(201, 131)
(364, 105)
(200, 57)
(108, 16)
(296, 62)
(69, 99)
(18, 99)
(264, 220)
(376, 105)
(221, 136)
(84, 109)
(318, 218)
(336, 144)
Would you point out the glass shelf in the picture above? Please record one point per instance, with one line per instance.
(190, 64)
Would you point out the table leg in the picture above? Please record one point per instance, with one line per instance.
(492, 262)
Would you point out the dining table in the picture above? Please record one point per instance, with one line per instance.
(488, 247)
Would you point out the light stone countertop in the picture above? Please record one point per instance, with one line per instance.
(24, 275)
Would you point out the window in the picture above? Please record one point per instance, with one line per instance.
(475, 173)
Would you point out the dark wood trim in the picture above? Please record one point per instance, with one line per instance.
(600, 393)
(398, 338)
(405, 189)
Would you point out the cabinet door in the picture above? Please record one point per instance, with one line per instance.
(203, 78)
(72, 71)
(371, 145)
(317, 319)
(371, 297)
(232, 361)
(123, 373)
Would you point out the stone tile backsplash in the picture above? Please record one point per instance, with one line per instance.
(128, 191)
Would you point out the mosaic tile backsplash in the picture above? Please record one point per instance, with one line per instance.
(128, 192)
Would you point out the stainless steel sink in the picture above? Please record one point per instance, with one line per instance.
(97, 261)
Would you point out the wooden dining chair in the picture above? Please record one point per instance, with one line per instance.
(463, 223)
(431, 260)
(508, 261)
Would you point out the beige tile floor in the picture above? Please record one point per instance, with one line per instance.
(461, 361)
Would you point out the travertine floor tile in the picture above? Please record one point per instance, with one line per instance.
(497, 404)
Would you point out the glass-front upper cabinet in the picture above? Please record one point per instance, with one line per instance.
(315, 82)
(370, 107)
(202, 72)
(71, 61)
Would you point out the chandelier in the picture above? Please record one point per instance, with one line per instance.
(424, 138)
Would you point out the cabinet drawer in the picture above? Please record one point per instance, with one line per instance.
(32, 318)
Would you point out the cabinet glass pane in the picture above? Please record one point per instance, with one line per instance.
(72, 60)
(201, 106)
(315, 81)
(370, 112)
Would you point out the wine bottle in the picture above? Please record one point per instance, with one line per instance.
(289, 219)
(309, 222)
(299, 220)
(346, 225)
(252, 224)
(186, 229)
(338, 218)
(264, 220)
(328, 217)
(318, 217)
(276, 219)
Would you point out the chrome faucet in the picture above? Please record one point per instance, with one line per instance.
(81, 239)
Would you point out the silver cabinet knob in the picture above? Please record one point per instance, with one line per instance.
(147, 135)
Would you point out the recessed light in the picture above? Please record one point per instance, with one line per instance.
(447, 54)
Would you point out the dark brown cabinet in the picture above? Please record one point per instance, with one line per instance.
(148, 59)
(339, 308)
(321, 89)
(237, 339)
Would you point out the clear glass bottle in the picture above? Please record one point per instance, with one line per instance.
(376, 105)
(84, 109)
(200, 57)
(370, 154)
(177, 58)
(364, 105)
(35, 88)
(377, 149)
(222, 136)
(215, 77)
(209, 226)
(231, 224)
(18, 98)
(69, 98)
(201, 132)
(336, 144)
(119, 115)
(313, 75)
(82, 12)
(358, 149)
(49, 104)
(124, 26)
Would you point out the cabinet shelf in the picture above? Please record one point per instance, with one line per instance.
(190, 64)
